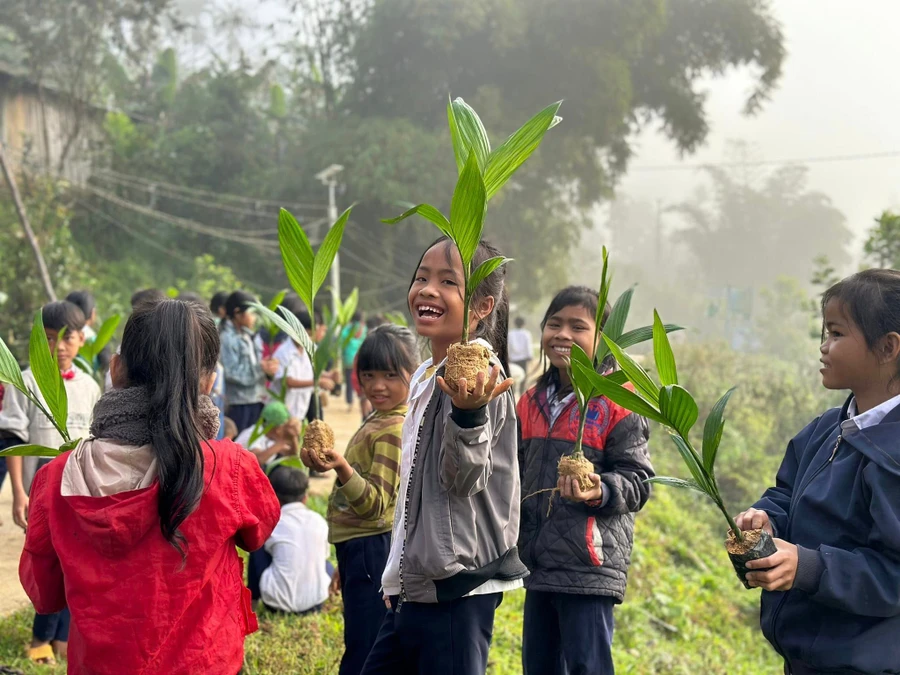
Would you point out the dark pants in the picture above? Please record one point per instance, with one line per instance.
(244, 415)
(361, 563)
(257, 564)
(567, 634)
(348, 393)
(6, 442)
(51, 627)
(444, 638)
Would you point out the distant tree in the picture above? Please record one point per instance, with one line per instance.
(882, 248)
(748, 232)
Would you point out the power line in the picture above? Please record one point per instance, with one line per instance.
(183, 223)
(767, 162)
(142, 237)
(252, 201)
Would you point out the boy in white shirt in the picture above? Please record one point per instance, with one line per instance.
(22, 421)
(295, 372)
(291, 573)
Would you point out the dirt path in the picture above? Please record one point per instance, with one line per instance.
(12, 596)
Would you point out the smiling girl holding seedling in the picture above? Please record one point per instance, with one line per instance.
(594, 453)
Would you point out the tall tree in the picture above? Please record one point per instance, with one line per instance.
(882, 246)
(746, 233)
(617, 65)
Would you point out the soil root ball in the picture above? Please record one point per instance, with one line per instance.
(466, 361)
(578, 467)
(319, 439)
(756, 544)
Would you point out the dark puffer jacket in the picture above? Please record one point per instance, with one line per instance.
(582, 548)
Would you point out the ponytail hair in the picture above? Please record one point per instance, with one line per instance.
(494, 328)
(167, 348)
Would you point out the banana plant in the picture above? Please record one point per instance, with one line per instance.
(306, 270)
(50, 399)
(87, 355)
(669, 404)
(482, 172)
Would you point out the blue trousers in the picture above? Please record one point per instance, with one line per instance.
(567, 634)
(442, 638)
(361, 563)
(51, 627)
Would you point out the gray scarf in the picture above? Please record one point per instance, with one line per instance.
(121, 415)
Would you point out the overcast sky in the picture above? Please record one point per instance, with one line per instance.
(839, 95)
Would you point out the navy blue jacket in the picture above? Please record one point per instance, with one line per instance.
(837, 497)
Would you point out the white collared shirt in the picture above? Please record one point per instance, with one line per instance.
(296, 580)
(874, 416)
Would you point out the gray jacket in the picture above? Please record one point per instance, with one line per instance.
(462, 502)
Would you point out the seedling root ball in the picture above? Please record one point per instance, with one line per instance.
(466, 361)
(319, 439)
(577, 466)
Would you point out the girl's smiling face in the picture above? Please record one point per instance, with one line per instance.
(436, 296)
(384, 389)
(572, 324)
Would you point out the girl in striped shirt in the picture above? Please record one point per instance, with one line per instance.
(361, 507)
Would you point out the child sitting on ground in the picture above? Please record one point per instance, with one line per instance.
(280, 439)
(291, 573)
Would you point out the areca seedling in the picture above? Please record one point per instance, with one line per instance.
(50, 399)
(482, 172)
(307, 270)
(613, 329)
(674, 407)
(90, 350)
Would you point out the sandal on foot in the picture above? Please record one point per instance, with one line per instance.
(43, 655)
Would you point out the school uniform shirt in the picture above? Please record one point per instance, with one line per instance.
(24, 420)
(519, 345)
(260, 444)
(297, 580)
(294, 363)
(835, 499)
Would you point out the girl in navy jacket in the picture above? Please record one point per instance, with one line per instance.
(831, 600)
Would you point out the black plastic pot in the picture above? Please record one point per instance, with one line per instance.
(762, 549)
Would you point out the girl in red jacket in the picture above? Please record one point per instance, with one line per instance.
(135, 529)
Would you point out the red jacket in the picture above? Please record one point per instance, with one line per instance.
(135, 608)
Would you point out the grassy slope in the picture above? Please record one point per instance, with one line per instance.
(685, 612)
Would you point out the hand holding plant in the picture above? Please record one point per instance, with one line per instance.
(671, 405)
(570, 488)
(467, 397)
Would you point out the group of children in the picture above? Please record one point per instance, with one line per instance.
(138, 525)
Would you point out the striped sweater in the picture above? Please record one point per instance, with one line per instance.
(364, 505)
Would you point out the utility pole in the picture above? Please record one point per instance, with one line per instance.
(29, 233)
(658, 233)
(328, 178)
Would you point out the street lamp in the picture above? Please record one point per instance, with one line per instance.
(328, 177)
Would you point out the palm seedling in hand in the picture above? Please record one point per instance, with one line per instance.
(306, 272)
(51, 399)
(673, 406)
(482, 172)
(613, 330)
